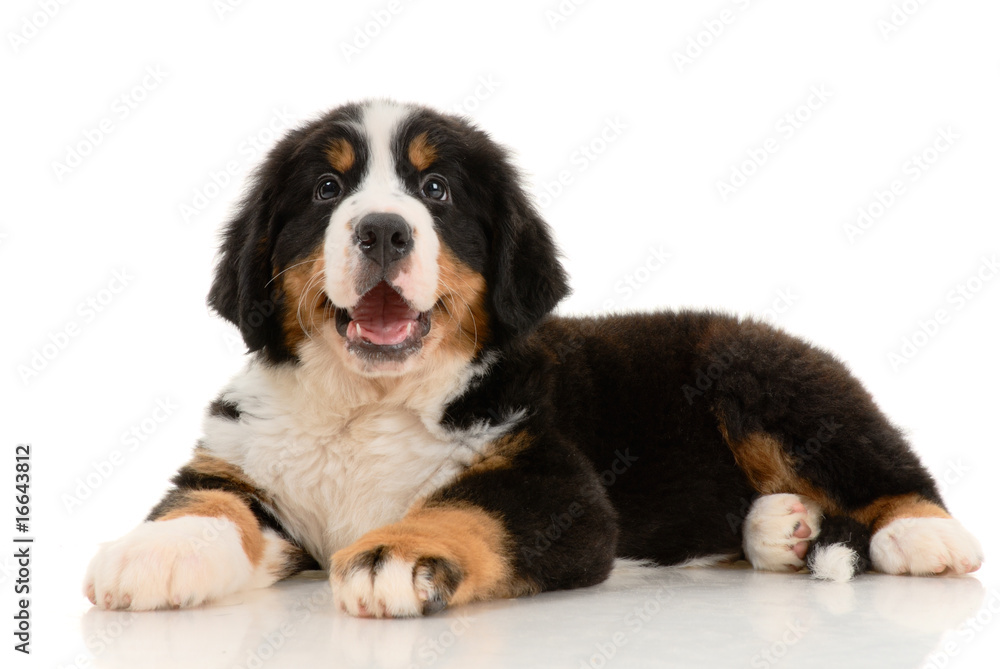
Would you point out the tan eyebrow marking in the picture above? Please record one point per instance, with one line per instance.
(340, 155)
(421, 153)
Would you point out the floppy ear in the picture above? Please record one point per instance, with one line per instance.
(242, 291)
(527, 278)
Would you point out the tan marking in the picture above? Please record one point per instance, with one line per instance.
(421, 153)
(500, 453)
(461, 314)
(884, 510)
(306, 307)
(222, 504)
(465, 535)
(340, 155)
(204, 463)
(771, 470)
(209, 465)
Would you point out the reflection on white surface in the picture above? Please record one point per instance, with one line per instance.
(640, 618)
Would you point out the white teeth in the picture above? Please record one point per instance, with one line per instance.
(409, 329)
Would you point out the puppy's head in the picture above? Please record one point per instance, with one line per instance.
(387, 235)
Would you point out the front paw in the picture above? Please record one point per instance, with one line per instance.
(389, 582)
(168, 563)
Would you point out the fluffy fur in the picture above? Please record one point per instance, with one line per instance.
(412, 418)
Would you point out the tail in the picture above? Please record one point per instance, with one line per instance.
(841, 551)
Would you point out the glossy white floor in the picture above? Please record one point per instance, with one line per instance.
(639, 618)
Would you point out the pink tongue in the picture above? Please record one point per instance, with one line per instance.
(382, 317)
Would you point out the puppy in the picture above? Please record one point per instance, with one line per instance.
(412, 419)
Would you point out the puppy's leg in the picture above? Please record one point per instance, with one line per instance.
(209, 537)
(531, 516)
(434, 557)
(797, 422)
(914, 535)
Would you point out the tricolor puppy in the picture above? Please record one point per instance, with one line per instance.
(413, 419)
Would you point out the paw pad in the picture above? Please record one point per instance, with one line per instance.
(778, 531)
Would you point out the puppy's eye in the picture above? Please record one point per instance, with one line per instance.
(329, 188)
(435, 188)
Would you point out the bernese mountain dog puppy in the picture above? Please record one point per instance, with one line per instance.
(413, 419)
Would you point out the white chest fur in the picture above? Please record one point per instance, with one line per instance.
(337, 466)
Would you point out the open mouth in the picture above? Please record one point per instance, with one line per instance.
(382, 325)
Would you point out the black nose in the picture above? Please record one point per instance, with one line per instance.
(384, 238)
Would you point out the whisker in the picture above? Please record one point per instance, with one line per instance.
(457, 296)
(317, 295)
(288, 268)
(453, 274)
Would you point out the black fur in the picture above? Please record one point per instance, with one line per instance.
(220, 407)
(296, 561)
(446, 577)
(618, 390)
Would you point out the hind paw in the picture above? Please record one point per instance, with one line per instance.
(778, 530)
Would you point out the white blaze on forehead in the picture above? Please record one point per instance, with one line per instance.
(380, 124)
(382, 191)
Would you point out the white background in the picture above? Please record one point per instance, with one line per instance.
(76, 378)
